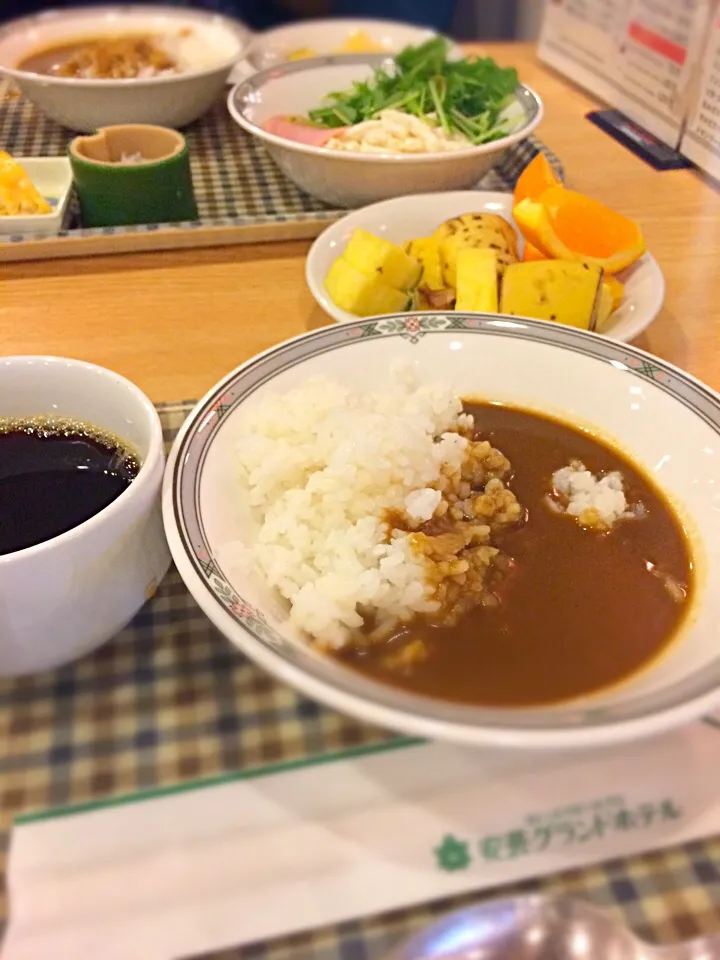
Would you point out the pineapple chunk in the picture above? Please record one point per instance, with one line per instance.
(477, 280)
(377, 256)
(560, 290)
(426, 250)
(363, 295)
(18, 195)
(605, 306)
(361, 42)
(477, 230)
(302, 53)
(617, 291)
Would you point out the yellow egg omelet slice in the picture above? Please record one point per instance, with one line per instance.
(18, 195)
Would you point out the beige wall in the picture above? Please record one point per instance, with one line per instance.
(529, 19)
(498, 19)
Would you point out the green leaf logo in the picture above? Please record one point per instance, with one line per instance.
(452, 854)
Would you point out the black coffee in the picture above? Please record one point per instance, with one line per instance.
(54, 475)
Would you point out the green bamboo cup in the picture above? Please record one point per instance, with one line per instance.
(133, 173)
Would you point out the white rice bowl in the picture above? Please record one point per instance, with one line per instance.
(207, 45)
(651, 411)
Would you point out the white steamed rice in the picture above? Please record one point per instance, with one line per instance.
(322, 464)
(593, 500)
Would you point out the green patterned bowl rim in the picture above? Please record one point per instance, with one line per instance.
(319, 676)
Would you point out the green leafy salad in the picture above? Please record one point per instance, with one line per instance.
(462, 96)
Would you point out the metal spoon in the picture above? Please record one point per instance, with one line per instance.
(542, 928)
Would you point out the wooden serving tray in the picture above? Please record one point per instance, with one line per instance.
(242, 196)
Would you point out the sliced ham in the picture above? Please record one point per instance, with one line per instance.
(300, 132)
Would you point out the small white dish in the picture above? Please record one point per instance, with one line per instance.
(403, 218)
(325, 37)
(209, 44)
(348, 179)
(52, 176)
(661, 417)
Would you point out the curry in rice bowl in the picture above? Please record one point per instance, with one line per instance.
(463, 550)
(122, 57)
(131, 55)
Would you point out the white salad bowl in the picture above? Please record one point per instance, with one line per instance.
(349, 179)
(208, 46)
(403, 218)
(666, 421)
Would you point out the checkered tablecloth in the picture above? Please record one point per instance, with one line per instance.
(170, 701)
(235, 181)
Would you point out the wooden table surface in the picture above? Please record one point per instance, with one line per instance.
(176, 322)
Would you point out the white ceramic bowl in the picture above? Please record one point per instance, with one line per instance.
(406, 217)
(667, 421)
(64, 597)
(212, 47)
(325, 37)
(352, 179)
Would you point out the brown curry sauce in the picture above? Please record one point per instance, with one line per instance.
(580, 610)
(101, 58)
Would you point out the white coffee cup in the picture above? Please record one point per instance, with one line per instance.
(64, 597)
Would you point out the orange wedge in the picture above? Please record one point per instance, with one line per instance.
(566, 225)
(537, 177)
(532, 253)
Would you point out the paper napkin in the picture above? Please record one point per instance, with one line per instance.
(284, 850)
